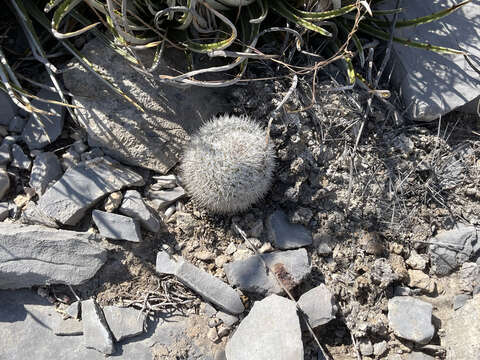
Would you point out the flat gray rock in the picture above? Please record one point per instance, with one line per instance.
(3, 211)
(7, 109)
(318, 305)
(433, 84)
(411, 319)
(39, 133)
(134, 206)
(46, 170)
(463, 331)
(450, 249)
(68, 327)
(270, 331)
(284, 235)
(73, 310)
(116, 227)
(17, 123)
(27, 322)
(32, 215)
(19, 159)
(163, 198)
(227, 319)
(82, 186)
(124, 323)
(95, 329)
(153, 139)
(5, 156)
(37, 255)
(4, 183)
(251, 274)
(209, 287)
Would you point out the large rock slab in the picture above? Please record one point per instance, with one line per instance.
(450, 249)
(153, 139)
(82, 186)
(270, 331)
(37, 255)
(116, 227)
(46, 170)
(27, 322)
(251, 274)
(209, 287)
(433, 84)
(463, 332)
(7, 109)
(40, 132)
(95, 329)
(124, 323)
(411, 319)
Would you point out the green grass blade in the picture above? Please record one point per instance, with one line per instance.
(280, 8)
(322, 15)
(385, 36)
(62, 11)
(35, 13)
(423, 19)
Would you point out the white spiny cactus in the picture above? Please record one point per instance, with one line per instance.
(228, 165)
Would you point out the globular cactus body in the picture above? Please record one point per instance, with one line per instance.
(228, 165)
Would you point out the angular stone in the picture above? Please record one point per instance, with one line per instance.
(3, 211)
(154, 138)
(7, 109)
(251, 274)
(134, 206)
(227, 319)
(450, 249)
(73, 310)
(116, 227)
(318, 305)
(46, 170)
(95, 329)
(284, 235)
(5, 156)
(17, 123)
(460, 300)
(209, 287)
(19, 159)
(68, 327)
(124, 323)
(162, 198)
(418, 279)
(431, 83)
(32, 215)
(380, 348)
(462, 331)
(416, 261)
(270, 331)
(38, 255)
(411, 319)
(40, 132)
(82, 186)
(4, 183)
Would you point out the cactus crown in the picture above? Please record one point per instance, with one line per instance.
(228, 165)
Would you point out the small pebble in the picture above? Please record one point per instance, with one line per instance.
(223, 330)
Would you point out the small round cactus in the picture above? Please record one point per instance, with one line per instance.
(228, 165)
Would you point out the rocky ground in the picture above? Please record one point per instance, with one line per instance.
(371, 225)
